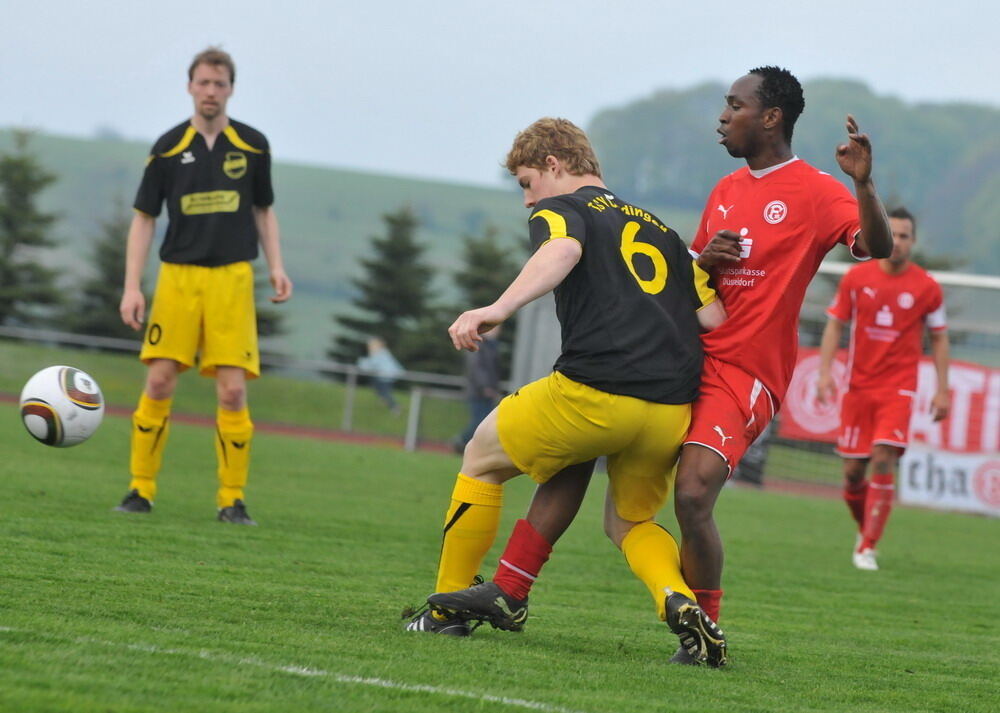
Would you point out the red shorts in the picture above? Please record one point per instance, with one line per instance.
(730, 412)
(871, 417)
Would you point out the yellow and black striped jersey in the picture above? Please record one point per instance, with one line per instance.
(210, 193)
(628, 308)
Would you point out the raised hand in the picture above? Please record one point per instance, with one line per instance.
(855, 157)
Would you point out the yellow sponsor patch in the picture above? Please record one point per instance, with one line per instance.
(235, 165)
(210, 202)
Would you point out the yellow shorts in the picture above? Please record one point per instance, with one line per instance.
(555, 422)
(204, 309)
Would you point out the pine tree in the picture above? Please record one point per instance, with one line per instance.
(24, 283)
(393, 293)
(95, 309)
(489, 266)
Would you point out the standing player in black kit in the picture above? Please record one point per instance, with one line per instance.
(214, 174)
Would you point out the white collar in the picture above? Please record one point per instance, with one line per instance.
(771, 169)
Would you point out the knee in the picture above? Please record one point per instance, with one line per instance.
(854, 471)
(160, 384)
(693, 501)
(232, 397)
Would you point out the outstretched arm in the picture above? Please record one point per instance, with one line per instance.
(544, 270)
(855, 159)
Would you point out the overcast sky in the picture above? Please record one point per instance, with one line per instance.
(438, 89)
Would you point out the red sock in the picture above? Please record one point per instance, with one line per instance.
(878, 505)
(526, 553)
(855, 495)
(710, 601)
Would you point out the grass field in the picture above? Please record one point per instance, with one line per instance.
(103, 612)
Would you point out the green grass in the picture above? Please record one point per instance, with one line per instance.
(173, 611)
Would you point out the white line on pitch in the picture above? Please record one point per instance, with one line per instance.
(314, 672)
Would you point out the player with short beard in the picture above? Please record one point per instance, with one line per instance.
(214, 174)
(888, 302)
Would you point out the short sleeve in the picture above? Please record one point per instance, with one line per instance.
(837, 218)
(152, 188)
(553, 219)
(843, 302)
(696, 282)
(700, 239)
(936, 319)
(263, 190)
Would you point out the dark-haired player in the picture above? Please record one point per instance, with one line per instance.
(888, 303)
(630, 300)
(214, 174)
(763, 233)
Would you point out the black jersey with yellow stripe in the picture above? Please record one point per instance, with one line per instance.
(210, 193)
(628, 308)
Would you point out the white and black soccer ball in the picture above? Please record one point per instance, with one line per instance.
(61, 406)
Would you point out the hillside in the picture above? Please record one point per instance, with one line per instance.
(941, 160)
(326, 215)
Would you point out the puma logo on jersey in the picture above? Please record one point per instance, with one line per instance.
(239, 444)
(870, 291)
(187, 157)
(725, 211)
(899, 434)
(722, 435)
(144, 429)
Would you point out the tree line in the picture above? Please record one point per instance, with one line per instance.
(394, 295)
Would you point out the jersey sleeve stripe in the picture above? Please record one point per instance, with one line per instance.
(557, 224)
(237, 141)
(936, 320)
(706, 293)
(185, 141)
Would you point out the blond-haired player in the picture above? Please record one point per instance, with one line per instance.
(631, 303)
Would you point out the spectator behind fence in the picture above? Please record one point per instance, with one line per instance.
(384, 370)
(482, 389)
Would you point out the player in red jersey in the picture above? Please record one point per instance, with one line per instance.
(763, 233)
(887, 303)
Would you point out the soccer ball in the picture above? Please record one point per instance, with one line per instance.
(61, 406)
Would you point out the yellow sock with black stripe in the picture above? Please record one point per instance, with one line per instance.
(470, 526)
(234, 431)
(653, 556)
(150, 428)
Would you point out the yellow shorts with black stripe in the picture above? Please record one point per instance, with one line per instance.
(206, 311)
(555, 422)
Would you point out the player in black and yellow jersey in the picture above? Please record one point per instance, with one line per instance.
(214, 174)
(631, 302)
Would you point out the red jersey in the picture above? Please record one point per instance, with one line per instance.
(887, 315)
(788, 217)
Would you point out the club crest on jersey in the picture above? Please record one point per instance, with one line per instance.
(775, 212)
(235, 164)
(905, 300)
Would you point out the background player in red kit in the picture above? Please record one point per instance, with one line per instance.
(763, 233)
(887, 303)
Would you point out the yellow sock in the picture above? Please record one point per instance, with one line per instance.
(150, 428)
(234, 431)
(470, 526)
(653, 556)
